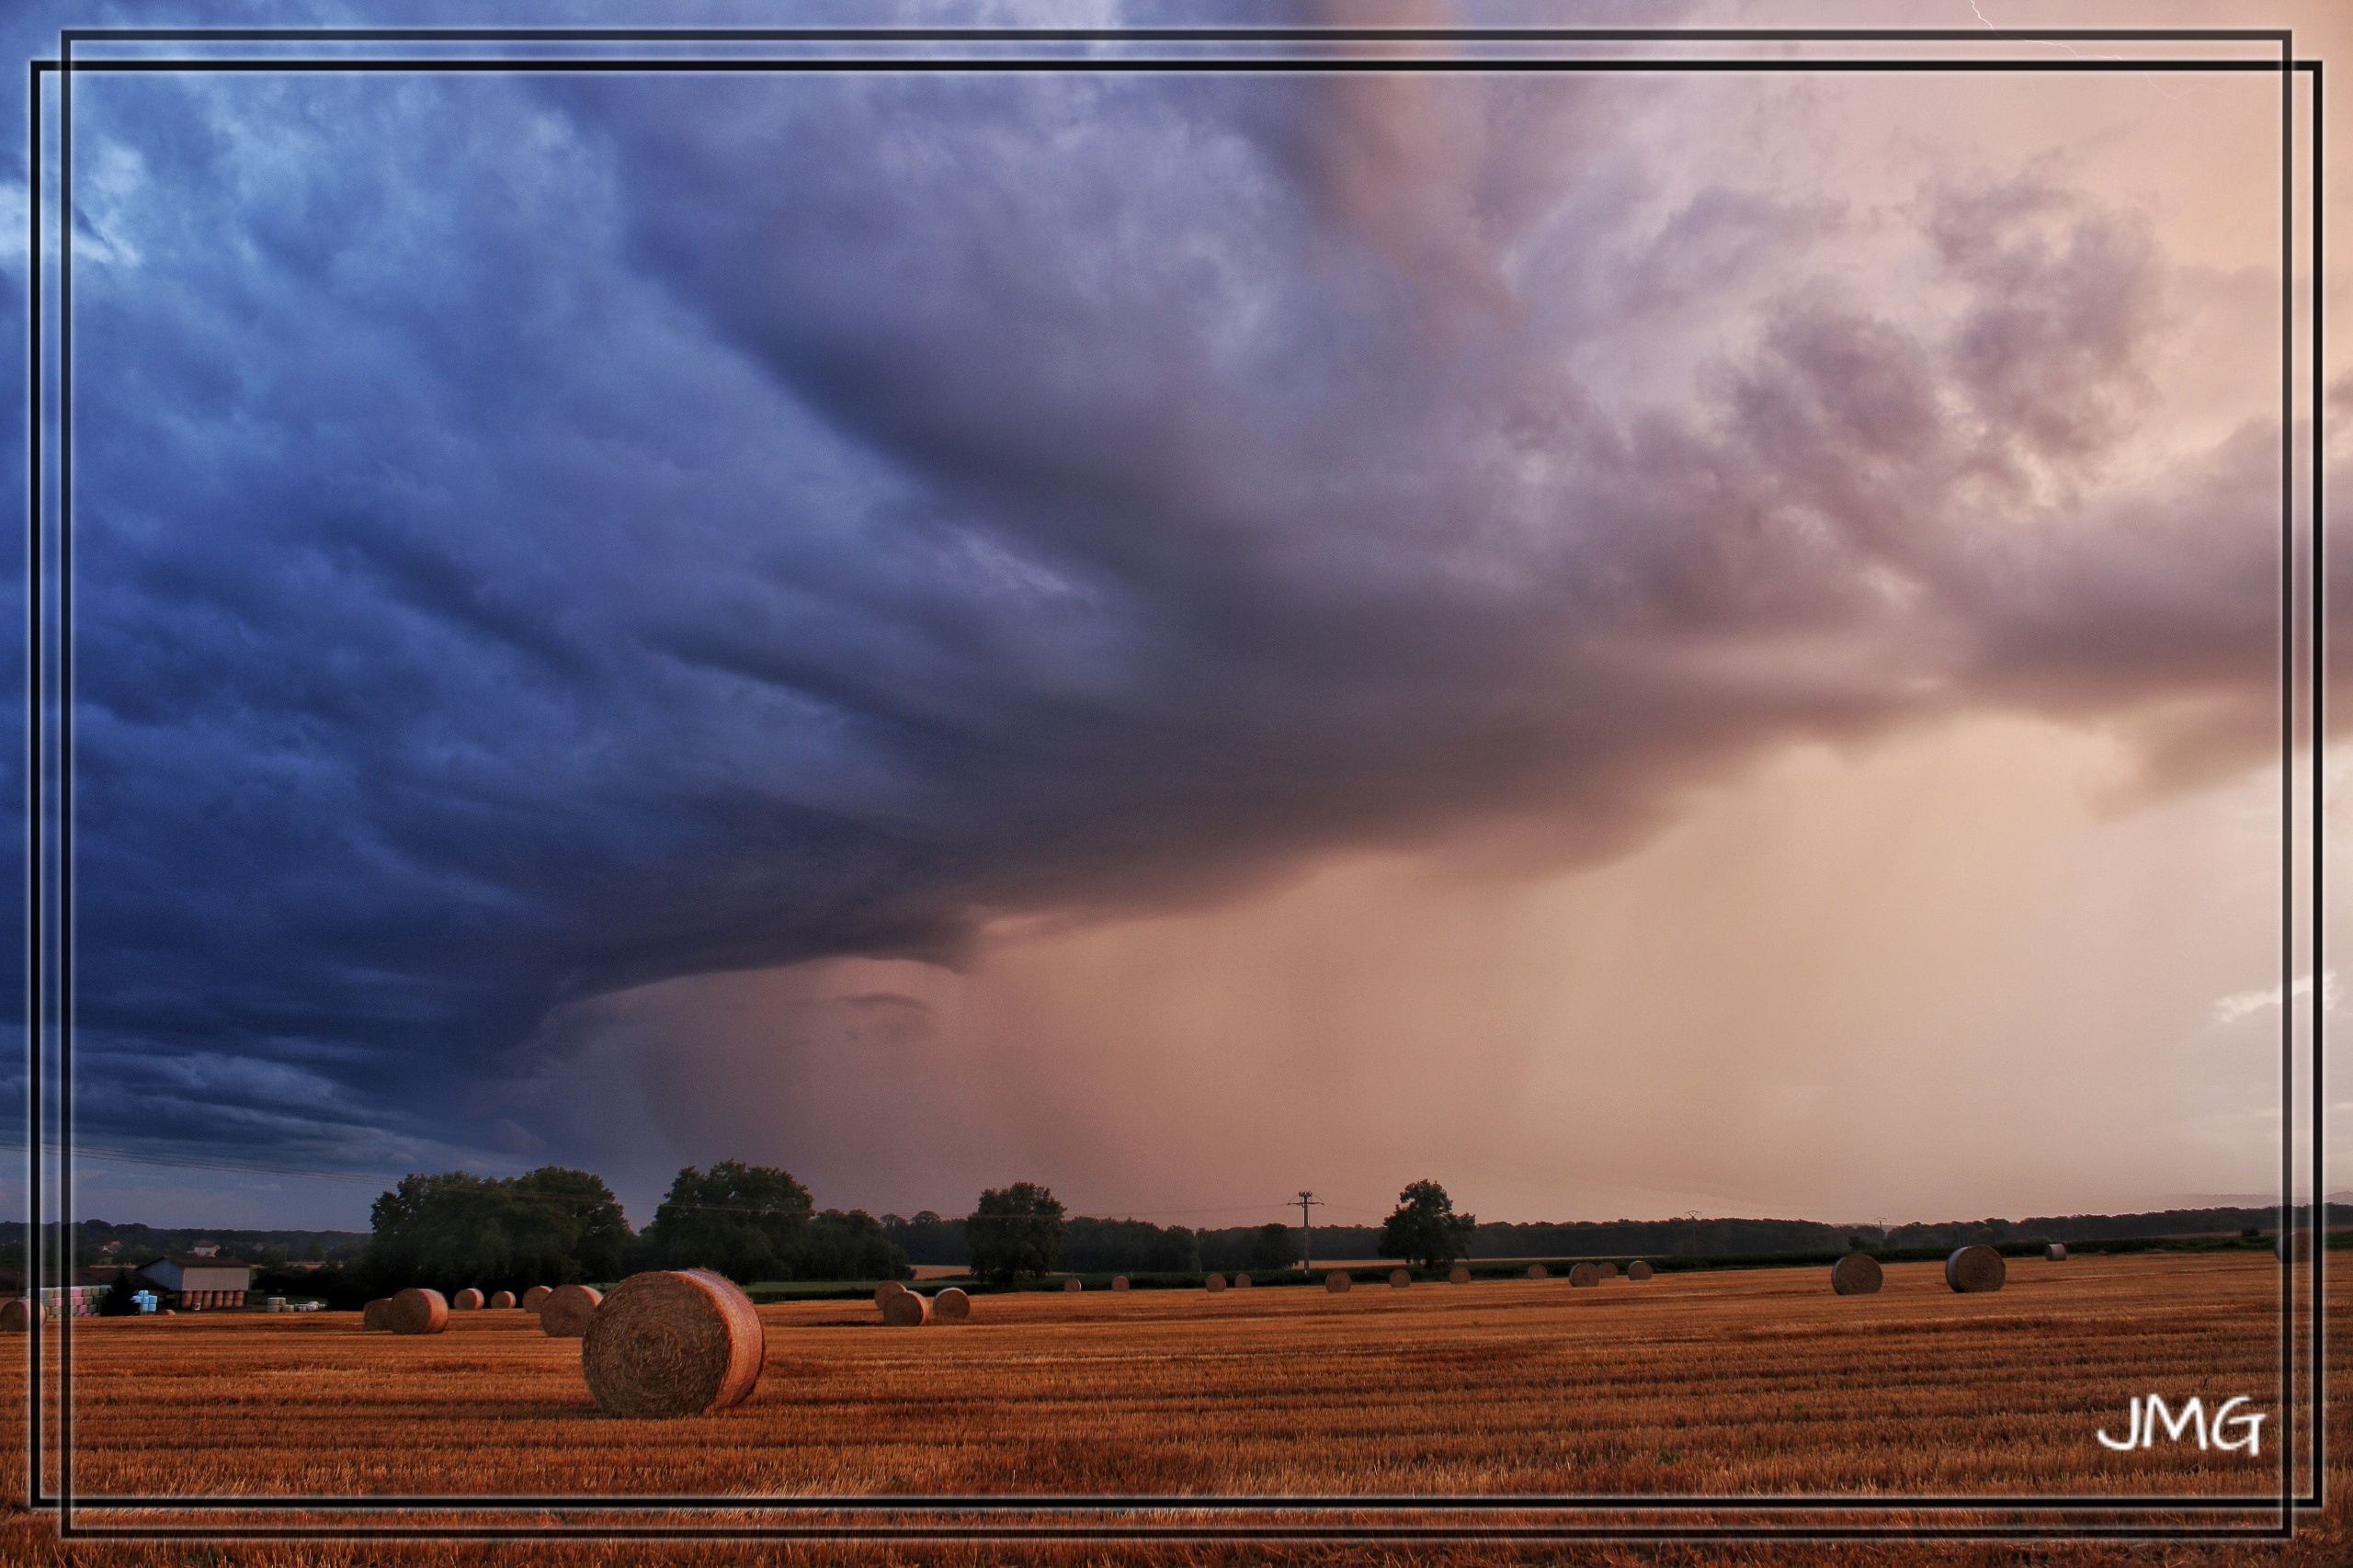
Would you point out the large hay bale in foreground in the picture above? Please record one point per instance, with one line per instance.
(15, 1317)
(952, 1305)
(1120, 1283)
(1538, 1271)
(466, 1301)
(503, 1301)
(2056, 1252)
(907, 1309)
(1400, 1278)
(680, 1343)
(536, 1297)
(888, 1288)
(1338, 1282)
(1458, 1274)
(1975, 1270)
(371, 1316)
(1583, 1274)
(565, 1314)
(1242, 1281)
(1073, 1284)
(415, 1311)
(1857, 1274)
(1213, 1284)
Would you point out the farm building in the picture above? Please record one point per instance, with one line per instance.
(201, 1280)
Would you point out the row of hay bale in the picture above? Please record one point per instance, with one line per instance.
(902, 1308)
(562, 1312)
(1971, 1271)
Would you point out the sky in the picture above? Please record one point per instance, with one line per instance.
(1629, 643)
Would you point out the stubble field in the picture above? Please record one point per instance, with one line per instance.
(1722, 1384)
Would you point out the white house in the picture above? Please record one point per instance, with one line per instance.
(202, 1279)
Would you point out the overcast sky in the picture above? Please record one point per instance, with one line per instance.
(1629, 644)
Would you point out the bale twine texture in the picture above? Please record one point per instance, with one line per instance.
(2056, 1252)
(565, 1314)
(1583, 1274)
(1120, 1283)
(415, 1311)
(503, 1301)
(680, 1343)
(536, 1297)
(952, 1305)
(466, 1301)
(1638, 1270)
(1213, 1284)
(1973, 1270)
(1400, 1278)
(1338, 1282)
(907, 1309)
(1857, 1274)
(1538, 1271)
(1458, 1274)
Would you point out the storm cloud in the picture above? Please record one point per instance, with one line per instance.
(541, 538)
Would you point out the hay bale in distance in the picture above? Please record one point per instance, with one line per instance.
(371, 1316)
(1400, 1278)
(1975, 1270)
(952, 1305)
(1584, 1274)
(1242, 1281)
(1338, 1282)
(466, 1301)
(1458, 1274)
(906, 1309)
(1213, 1283)
(503, 1301)
(15, 1317)
(2056, 1252)
(1857, 1274)
(682, 1343)
(1607, 1270)
(565, 1314)
(1120, 1283)
(415, 1311)
(888, 1288)
(1638, 1270)
(1073, 1283)
(535, 1298)
(1538, 1271)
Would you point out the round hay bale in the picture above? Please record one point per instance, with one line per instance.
(683, 1343)
(1584, 1274)
(1857, 1274)
(888, 1288)
(1213, 1284)
(2056, 1252)
(535, 1298)
(1120, 1283)
(1538, 1271)
(503, 1301)
(565, 1314)
(1070, 1285)
(1608, 1270)
(1242, 1281)
(416, 1311)
(1400, 1278)
(1458, 1274)
(2295, 1246)
(1338, 1282)
(907, 1309)
(952, 1305)
(371, 1316)
(15, 1317)
(1974, 1271)
(1638, 1270)
(466, 1301)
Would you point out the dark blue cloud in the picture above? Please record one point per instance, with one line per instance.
(539, 537)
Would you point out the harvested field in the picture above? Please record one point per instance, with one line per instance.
(1731, 1382)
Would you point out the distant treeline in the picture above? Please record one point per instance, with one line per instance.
(100, 1241)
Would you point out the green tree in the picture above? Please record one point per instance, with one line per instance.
(1424, 1228)
(1015, 1230)
(1272, 1248)
(550, 1227)
(746, 1222)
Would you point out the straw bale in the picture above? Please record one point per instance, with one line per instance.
(1073, 1284)
(952, 1305)
(503, 1301)
(1974, 1271)
(1638, 1270)
(1584, 1274)
(1857, 1274)
(1400, 1278)
(1458, 1274)
(535, 1298)
(680, 1343)
(1213, 1284)
(908, 1308)
(466, 1301)
(565, 1314)
(415, 1311)
(1242, 1281)
(15, 1317)
(2056, 1252)
(1538, 1271)
(1338, 1282)
(1120, 1283)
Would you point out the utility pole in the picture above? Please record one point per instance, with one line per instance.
(1306, 1231)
